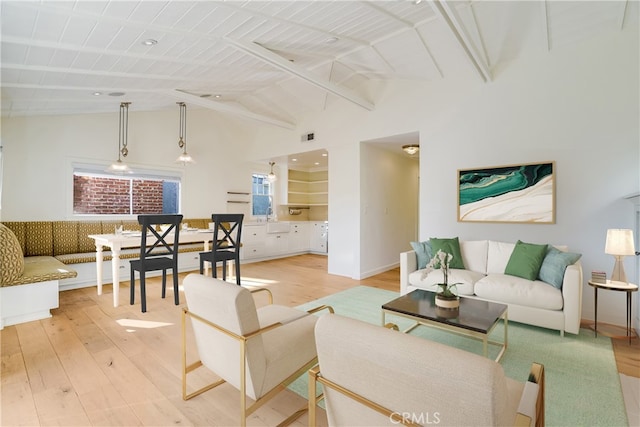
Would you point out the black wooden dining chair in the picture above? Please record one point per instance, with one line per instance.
(158, 251)
(227, 230)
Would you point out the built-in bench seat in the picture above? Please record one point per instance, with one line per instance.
(37, 255)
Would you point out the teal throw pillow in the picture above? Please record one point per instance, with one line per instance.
(450, 246)
(554, 265)
(423, 253)
(526, 260)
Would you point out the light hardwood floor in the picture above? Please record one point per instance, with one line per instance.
(93, 364)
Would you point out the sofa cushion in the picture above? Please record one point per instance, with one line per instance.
(423, 253)
(65, 237)
(507, 289)
(525, 260)
(554, 265)
(11, 258)
(450, 246)
(38, 238)
(474, 255)
(85, 228)
(498, 256)
(465, 279)
(42, 269)
(18, 230)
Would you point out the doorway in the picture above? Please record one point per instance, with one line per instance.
(389, 198)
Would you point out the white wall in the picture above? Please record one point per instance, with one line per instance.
(39, 153)
(577, 105)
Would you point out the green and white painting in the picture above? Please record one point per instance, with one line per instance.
(519, 193)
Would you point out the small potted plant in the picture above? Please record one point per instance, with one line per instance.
(447, 295)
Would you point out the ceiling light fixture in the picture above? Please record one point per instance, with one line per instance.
(183, 158)
(149, 42)
(272, 176)
(97, 93)
(119, 166)
(411, 149)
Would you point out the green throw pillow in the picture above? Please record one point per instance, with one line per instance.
(450, 246)
(526, 260)
(554, 265)
(423, 253)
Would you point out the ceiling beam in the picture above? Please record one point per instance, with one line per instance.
(278, 61)
(623, 14)
(448, 14)
(545, 24)
(226, 108)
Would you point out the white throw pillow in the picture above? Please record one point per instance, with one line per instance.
(498, 256)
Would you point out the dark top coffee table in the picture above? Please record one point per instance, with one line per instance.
(475, 318)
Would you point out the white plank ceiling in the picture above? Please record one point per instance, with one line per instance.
(270, 61)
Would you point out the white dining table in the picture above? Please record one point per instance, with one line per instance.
(115, 242)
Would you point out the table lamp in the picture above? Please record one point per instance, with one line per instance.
(619, 243)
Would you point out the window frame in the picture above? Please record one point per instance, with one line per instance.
(270, 196)
(99, 169)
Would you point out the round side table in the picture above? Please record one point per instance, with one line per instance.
(611, 285)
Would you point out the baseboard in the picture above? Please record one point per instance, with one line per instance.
(376, 271)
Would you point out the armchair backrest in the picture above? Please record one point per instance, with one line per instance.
(230, 308)
(425, 381)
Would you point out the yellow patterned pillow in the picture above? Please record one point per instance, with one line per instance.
(11, 257)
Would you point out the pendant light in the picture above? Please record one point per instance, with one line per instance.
(123, 140)
(183, 158)
(272, 176)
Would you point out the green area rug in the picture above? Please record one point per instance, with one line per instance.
(582, 382)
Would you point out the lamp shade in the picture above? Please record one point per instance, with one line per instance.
(619, 242)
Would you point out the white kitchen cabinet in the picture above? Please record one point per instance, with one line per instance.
(277, 244)
(253, 241)
(319, 237)
(299, 237)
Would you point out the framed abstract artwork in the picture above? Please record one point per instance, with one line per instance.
(515, 194)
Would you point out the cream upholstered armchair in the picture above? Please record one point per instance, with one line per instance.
(373, 376)
(259, 351)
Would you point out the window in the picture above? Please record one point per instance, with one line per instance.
(101, 193)
(261, 195)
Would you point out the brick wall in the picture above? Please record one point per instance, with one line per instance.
(92, 195)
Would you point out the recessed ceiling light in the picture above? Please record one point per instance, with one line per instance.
(149, 42)
(294, 160)
(316, 163)
(117, 94)
(97, 93)
(218, 96)
(324, 154)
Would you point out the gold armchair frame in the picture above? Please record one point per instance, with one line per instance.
(245, 410)
(536, 375)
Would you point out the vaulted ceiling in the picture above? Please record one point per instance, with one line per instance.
(270, 61)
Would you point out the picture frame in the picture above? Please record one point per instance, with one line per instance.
(521, 193)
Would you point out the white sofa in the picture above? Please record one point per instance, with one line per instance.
(530, 301)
